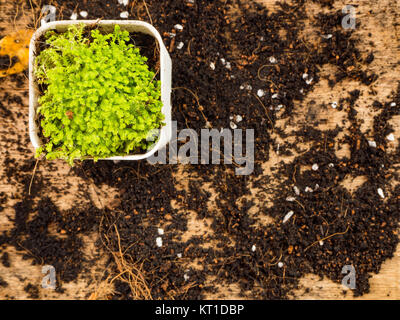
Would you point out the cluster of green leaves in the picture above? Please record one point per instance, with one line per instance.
(101, 98)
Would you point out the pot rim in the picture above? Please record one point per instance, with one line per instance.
(165, 78)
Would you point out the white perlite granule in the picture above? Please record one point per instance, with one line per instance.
(178, 27)
(280, 264)
(307, 79)
(160, 231)
(372, 144)
(253, 248)
(74, 16)
(390, 137)
(381, 194)
(308, 189)
(124, 14)
(315, 167)
(159, 242)
(238, 118)
(261, 93)
(288, 216)
(83, 14)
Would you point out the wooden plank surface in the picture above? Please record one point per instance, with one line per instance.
(379, 23)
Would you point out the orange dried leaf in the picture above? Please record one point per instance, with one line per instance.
(16, 45)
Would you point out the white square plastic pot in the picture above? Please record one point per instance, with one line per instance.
(107, 26)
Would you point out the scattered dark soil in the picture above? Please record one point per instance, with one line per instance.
(330, 227)
(34, 237)
(341, 50)
(7, 62)
(5, 260)
(32, 290)
(4, 112)
(3, 283)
